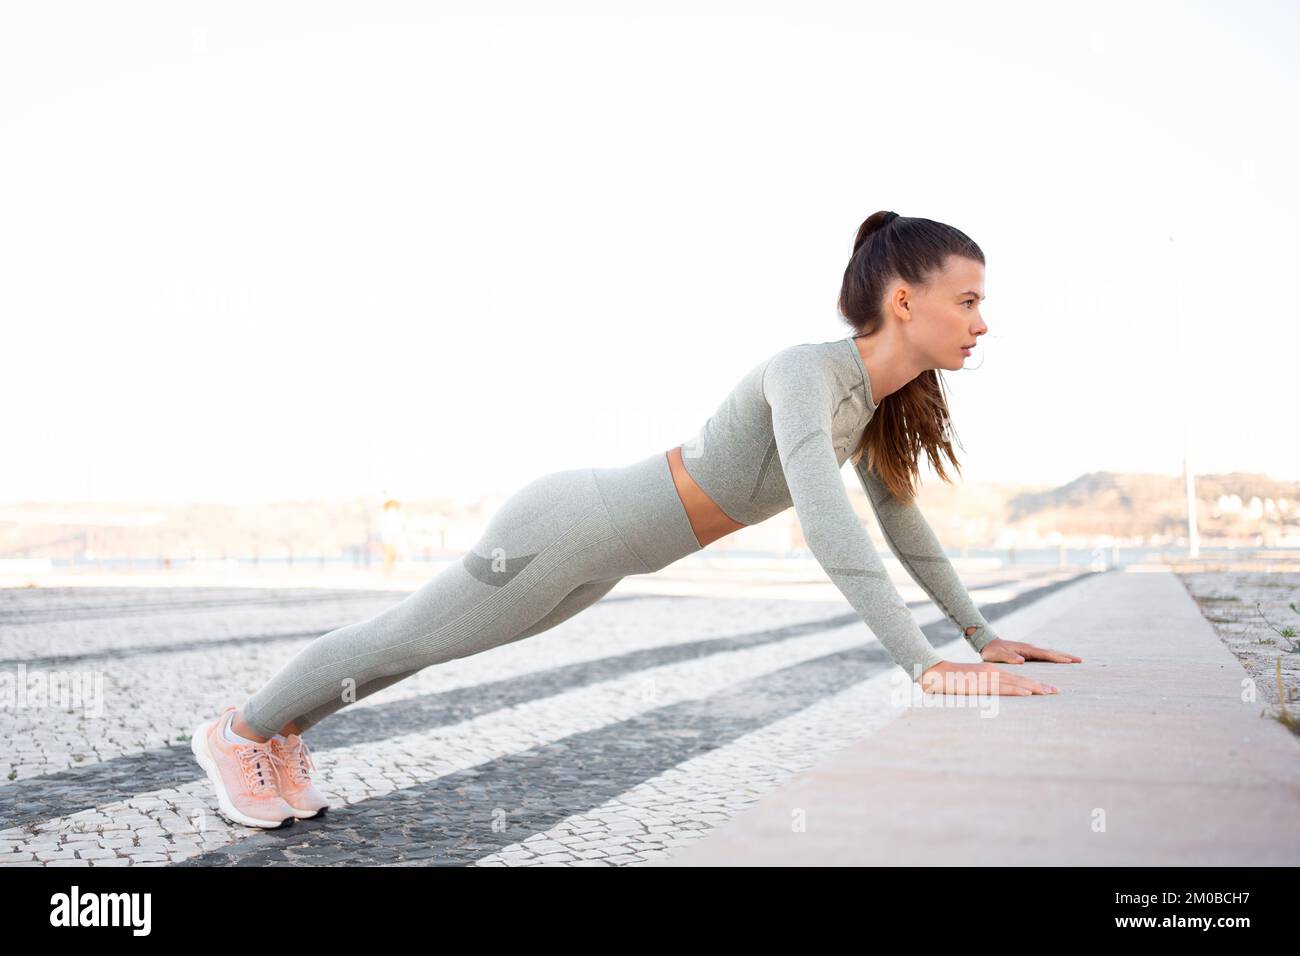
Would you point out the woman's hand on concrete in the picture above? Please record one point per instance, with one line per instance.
(1002, 651)
(949, 677)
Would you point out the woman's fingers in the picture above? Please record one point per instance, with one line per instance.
(988, 679)
(1013, 685)
(1030, 652)
(1026, 686)
(1059, 657)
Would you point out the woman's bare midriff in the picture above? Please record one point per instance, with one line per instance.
(708, 521)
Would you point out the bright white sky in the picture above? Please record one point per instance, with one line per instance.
(250, 251)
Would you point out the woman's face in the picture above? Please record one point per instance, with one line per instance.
(945, 313)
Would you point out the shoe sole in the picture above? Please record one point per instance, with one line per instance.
(199, 747)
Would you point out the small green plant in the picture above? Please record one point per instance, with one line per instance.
(1287, 632)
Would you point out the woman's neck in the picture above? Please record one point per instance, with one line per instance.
(889, 365)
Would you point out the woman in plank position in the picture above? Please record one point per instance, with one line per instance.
(911, 293)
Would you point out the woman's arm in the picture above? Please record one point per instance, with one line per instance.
(914, 543)
(800, 398)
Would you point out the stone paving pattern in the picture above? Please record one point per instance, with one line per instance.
(629, 730)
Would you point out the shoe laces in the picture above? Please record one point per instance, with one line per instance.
(257, 761)
(297, 758)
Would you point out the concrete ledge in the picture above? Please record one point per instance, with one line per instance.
(1149, 756)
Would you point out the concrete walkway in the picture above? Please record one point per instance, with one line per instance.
(1148, 756)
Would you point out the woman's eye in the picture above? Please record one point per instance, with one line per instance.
(969, 301)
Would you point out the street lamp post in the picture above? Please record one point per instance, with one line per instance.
(1189, 479)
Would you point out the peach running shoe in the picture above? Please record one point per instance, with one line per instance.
(243, 775)
(294, 768)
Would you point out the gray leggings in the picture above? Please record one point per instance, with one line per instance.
(556, 546)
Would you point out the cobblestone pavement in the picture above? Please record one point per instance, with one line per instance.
(627, 731)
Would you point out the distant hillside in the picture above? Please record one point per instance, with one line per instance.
(1140, 509)
(1126, 505)
(1233, 509)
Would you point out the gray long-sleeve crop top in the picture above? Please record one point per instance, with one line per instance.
(779, 439)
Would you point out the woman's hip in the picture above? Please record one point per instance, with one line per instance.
(598, 522)
(554, 526)
(644, 506)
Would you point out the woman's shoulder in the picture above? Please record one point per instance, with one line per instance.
(826, 360)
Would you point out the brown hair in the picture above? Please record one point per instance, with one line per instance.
(914, 418)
